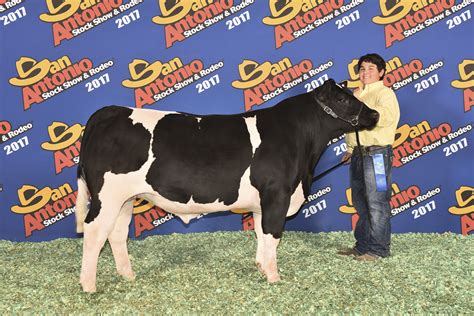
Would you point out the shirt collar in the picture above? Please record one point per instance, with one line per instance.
(372, 86)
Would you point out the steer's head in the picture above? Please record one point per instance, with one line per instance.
(339, 102)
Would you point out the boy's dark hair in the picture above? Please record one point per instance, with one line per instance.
(375, 59)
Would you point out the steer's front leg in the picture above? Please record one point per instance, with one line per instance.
(274, 208)
(259, 258)
(270, 261)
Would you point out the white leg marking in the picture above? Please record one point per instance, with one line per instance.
(259, 258)
(269, 258)
(118, 242)
(81, 204)
(297, 198)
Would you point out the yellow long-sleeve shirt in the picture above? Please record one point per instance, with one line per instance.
(382, 99)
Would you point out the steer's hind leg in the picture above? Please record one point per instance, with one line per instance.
(274, 208)
(118, 242)
(95, 235)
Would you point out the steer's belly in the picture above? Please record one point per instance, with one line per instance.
(248, 198)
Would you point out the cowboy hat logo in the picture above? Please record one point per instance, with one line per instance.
(353, 81)
(141, 205)
(142, 73)
(251, 74)
(59, 10)
(465, 208)
(349, 208)
(465, 200)
(30, 71)
(173, 10)
(466, 74)
(31, 199)
(392, 11)
(62, 136)
(282, 11)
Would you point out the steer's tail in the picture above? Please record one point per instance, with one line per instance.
(81, 201)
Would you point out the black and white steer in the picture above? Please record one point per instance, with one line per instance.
(186, 164)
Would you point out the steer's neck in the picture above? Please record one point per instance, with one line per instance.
(332, 127)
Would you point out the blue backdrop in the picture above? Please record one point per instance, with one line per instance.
(63, 60)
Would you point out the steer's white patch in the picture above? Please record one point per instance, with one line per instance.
(255, 140)
(148, 118)
(297, 198)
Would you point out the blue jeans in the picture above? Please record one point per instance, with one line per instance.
(373, 229)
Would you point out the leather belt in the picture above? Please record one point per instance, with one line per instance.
(368, 149)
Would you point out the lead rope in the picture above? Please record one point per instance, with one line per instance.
(322, 174)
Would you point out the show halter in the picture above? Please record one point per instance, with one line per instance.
(354, 122)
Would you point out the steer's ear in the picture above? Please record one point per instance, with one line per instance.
(328, 84)
(343, 84)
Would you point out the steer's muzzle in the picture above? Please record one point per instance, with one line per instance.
(369, 119)
(374, 118)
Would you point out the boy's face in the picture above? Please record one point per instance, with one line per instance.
(368, 73)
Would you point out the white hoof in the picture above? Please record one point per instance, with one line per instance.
(129, 276)
(273, 278)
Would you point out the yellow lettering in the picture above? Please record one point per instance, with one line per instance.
(60, 64)
(280, 66)
(171, 66)
(87, 4)
(60, 192)
(419, 129)
(395, 188)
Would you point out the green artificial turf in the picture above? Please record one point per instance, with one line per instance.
(215, 273)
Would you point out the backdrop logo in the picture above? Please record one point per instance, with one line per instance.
(71, 18)
(44, 207)
(465, 208)
(292, 19)
(41, 80)
(413, 142)
(466, 82)
(185, 18)
(147, 216)
(153, 82)
(263, 82)
(400, 201)
(65, 143)
(404, 18)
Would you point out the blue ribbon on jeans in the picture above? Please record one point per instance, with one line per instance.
(379, 169)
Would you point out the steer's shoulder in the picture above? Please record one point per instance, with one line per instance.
(109, 112)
